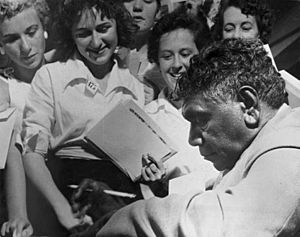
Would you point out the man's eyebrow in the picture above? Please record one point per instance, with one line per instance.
(190, 114)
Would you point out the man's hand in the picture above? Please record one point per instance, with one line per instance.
(18, 227)
(152, 170)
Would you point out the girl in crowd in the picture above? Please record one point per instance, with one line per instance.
(244, 19)
(22, 41)
(70, 96)
(144, 14)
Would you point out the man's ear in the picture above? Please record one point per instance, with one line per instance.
(250, 106)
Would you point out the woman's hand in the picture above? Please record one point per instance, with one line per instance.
(18, 227)
(152, 170)
(90, 199)
(69, 220)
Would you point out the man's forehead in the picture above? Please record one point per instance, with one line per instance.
(196, 104)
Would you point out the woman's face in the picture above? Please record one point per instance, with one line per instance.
(96, 38)
(175, 51)
(22, 39)
(143, 12)
(238, 25)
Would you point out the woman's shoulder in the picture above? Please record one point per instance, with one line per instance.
(61, 71)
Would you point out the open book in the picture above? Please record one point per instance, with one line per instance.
(126, 133)
(7, 121)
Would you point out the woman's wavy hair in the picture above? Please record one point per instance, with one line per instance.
(69, 13)
(10, 8)
(260, 9)
(176, 20)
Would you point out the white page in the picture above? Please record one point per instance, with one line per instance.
(292, 86)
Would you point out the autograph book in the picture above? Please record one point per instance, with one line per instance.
(126, 133)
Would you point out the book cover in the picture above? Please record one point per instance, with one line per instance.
(126, 133)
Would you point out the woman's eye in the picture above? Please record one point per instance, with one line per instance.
(82, 34)
(166, 56)
(103, 29)
(247, 27)
(32, 30)
(148, 1)
(186, 54)
(228, 29)
(10, 39)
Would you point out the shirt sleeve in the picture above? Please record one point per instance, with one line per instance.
(38, 114)
(4, 94)
(265, 203)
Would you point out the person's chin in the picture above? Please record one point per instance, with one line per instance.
(31, 65)
(100, 60)
(215, 160)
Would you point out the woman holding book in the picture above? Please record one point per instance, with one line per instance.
(175, 38)
(70, 96)
(22, 43)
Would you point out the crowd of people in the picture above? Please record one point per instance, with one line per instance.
(200, 72)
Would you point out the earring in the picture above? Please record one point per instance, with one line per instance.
(116, 50)
(45, 34)
(2, 51)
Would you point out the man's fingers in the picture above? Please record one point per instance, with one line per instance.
(145, 176)
(150, 174)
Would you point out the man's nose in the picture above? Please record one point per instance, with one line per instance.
(195, 137)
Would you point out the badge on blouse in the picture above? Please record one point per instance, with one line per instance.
(91, 87)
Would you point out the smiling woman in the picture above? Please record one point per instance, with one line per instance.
(70, 96)
(244, 19)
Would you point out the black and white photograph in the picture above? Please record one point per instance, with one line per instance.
(149, 118)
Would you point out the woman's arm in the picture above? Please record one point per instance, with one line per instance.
(40, 176)
(16, 194)
(38, 123)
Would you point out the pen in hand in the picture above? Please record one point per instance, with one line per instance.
(107, 191)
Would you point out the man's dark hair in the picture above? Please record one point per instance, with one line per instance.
(260, 9)
(225, 66)
(178, 19)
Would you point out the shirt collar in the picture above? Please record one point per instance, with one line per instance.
(162, 103)
(118, 78)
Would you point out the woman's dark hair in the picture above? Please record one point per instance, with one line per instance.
(70, 11)
(158, 2)
(177, 20)
(260, 9)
